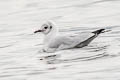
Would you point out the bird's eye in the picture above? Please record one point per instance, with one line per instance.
(45, 27)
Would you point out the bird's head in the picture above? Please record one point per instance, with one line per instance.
(46, 28)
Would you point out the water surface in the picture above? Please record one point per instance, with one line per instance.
(19, 47)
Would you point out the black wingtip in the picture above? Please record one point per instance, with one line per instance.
(98, 31)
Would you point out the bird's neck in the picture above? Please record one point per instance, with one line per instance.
(50, 36)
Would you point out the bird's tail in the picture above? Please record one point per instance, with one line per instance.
(100, 31)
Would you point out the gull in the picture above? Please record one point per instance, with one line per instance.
(55, 41)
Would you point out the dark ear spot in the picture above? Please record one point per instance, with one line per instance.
(50, 27)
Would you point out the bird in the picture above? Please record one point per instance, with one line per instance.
(54, 41)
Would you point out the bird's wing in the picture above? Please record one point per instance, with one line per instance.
(70, 41)
(73, 40)
(83, 36)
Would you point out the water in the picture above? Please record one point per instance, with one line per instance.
(19, 47)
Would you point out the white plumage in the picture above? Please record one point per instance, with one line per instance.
(53, 41)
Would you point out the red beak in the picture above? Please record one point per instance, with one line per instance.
(38, 31)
